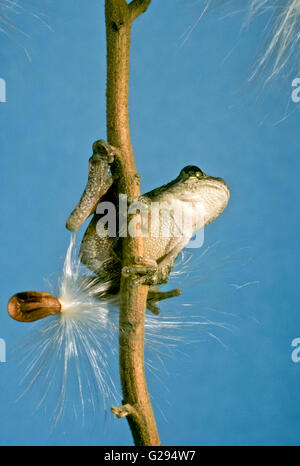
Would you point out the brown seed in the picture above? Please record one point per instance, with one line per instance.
(33, 305)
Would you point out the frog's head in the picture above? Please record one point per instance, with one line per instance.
(209, 193)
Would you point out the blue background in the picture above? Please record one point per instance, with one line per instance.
(190, 104)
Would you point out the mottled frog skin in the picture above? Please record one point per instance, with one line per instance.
(201, 199)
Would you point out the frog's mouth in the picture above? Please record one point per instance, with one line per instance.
(207, 199)
(206, 188)
(219, 184)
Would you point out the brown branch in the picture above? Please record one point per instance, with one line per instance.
(137, 7)
(136, 403)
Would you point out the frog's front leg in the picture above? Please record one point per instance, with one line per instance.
(99, 181)
(149, 272)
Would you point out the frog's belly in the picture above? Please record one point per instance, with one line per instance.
(156, 248)
(168, 229)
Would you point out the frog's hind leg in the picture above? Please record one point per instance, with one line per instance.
(98, 254)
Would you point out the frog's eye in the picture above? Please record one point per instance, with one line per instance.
(192, 170)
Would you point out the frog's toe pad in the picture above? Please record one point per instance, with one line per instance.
(104, 149)
(139, 270)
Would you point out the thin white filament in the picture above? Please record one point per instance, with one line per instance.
(280, 52)
(68, 357)
(72, 352)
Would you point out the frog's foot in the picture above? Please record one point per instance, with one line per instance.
(146, 272)
(154, 296)
(99, 181)
(105, 150)
(143, 272)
